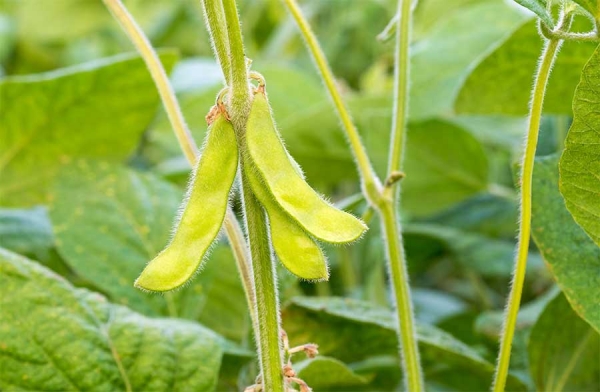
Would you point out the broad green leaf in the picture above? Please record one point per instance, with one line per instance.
(539, 8)
(501, 83)
(445, 55)
(572, 257)
(444, 165)
(56, 337)
(110, 221)
(580, 163)
(352, 331)
(26, 231)
(564, 350)
(475, 252)
(328, 374)
(94, 110)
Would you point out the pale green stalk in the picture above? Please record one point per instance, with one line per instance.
(514, 300)
(384, 200)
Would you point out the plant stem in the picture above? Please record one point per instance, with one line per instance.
(214, 17)
(267, 301)
(409, 352)
(388, 211)
(383, 200)
(184, 136)
(514, 301)
(240, 98)
(370, 182)
(263, 266)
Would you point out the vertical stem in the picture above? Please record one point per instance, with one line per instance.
(397, 270)
(214, 17)
(267, 301)
(514, 300)
(184, 136)
(383, 200)
(263, 266)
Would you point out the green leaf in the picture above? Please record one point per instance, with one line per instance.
(328, 374)
(56, 337)
(351, 331)
(446, 54)
(26, 231)
(110, 221)
(580, 163)
(475, 252)
(572, 257)
(590, 6)
(500, 84)
(97, 110)
(564, 350)
(539, 8)
(444, 165)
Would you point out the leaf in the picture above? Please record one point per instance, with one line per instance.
(351, 330)
(539, 8)
(445, 56)
(56, 337)
(564, 350)
(26, 231)
(444, 165)
(514, 64)
(475, 252)
(572, 257)
(109, 221)
(590, 6)
(579, 165)
(328, 374)
(97, 110)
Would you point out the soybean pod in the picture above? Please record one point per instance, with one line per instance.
(287, 186)
(203, 212)
(296, 250)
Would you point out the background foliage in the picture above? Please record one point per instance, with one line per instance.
(91, 177)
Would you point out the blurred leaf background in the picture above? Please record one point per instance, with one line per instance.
(91, 177)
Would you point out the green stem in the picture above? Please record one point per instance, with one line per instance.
(267, 301)
(370, 182)
(514, 301)
(384, 200)
(214, 16)
(397, 270)
(263, 266)
(184, 136)
(240, 98)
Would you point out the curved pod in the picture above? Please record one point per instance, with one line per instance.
(202, 214)
(292, 193)
(299, 253)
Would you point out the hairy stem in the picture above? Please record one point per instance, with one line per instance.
(514, 300)
(370, 182)
(267, 301)
(214, 17)
(267, 328)
(383, 200)
(184, 136)
(413, 377)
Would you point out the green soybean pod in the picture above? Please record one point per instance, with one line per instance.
(299, 253)
(203, 212)
(292, 193)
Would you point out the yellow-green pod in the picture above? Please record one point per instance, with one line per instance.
(299, 253)
(292, 193)
(202, 213)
